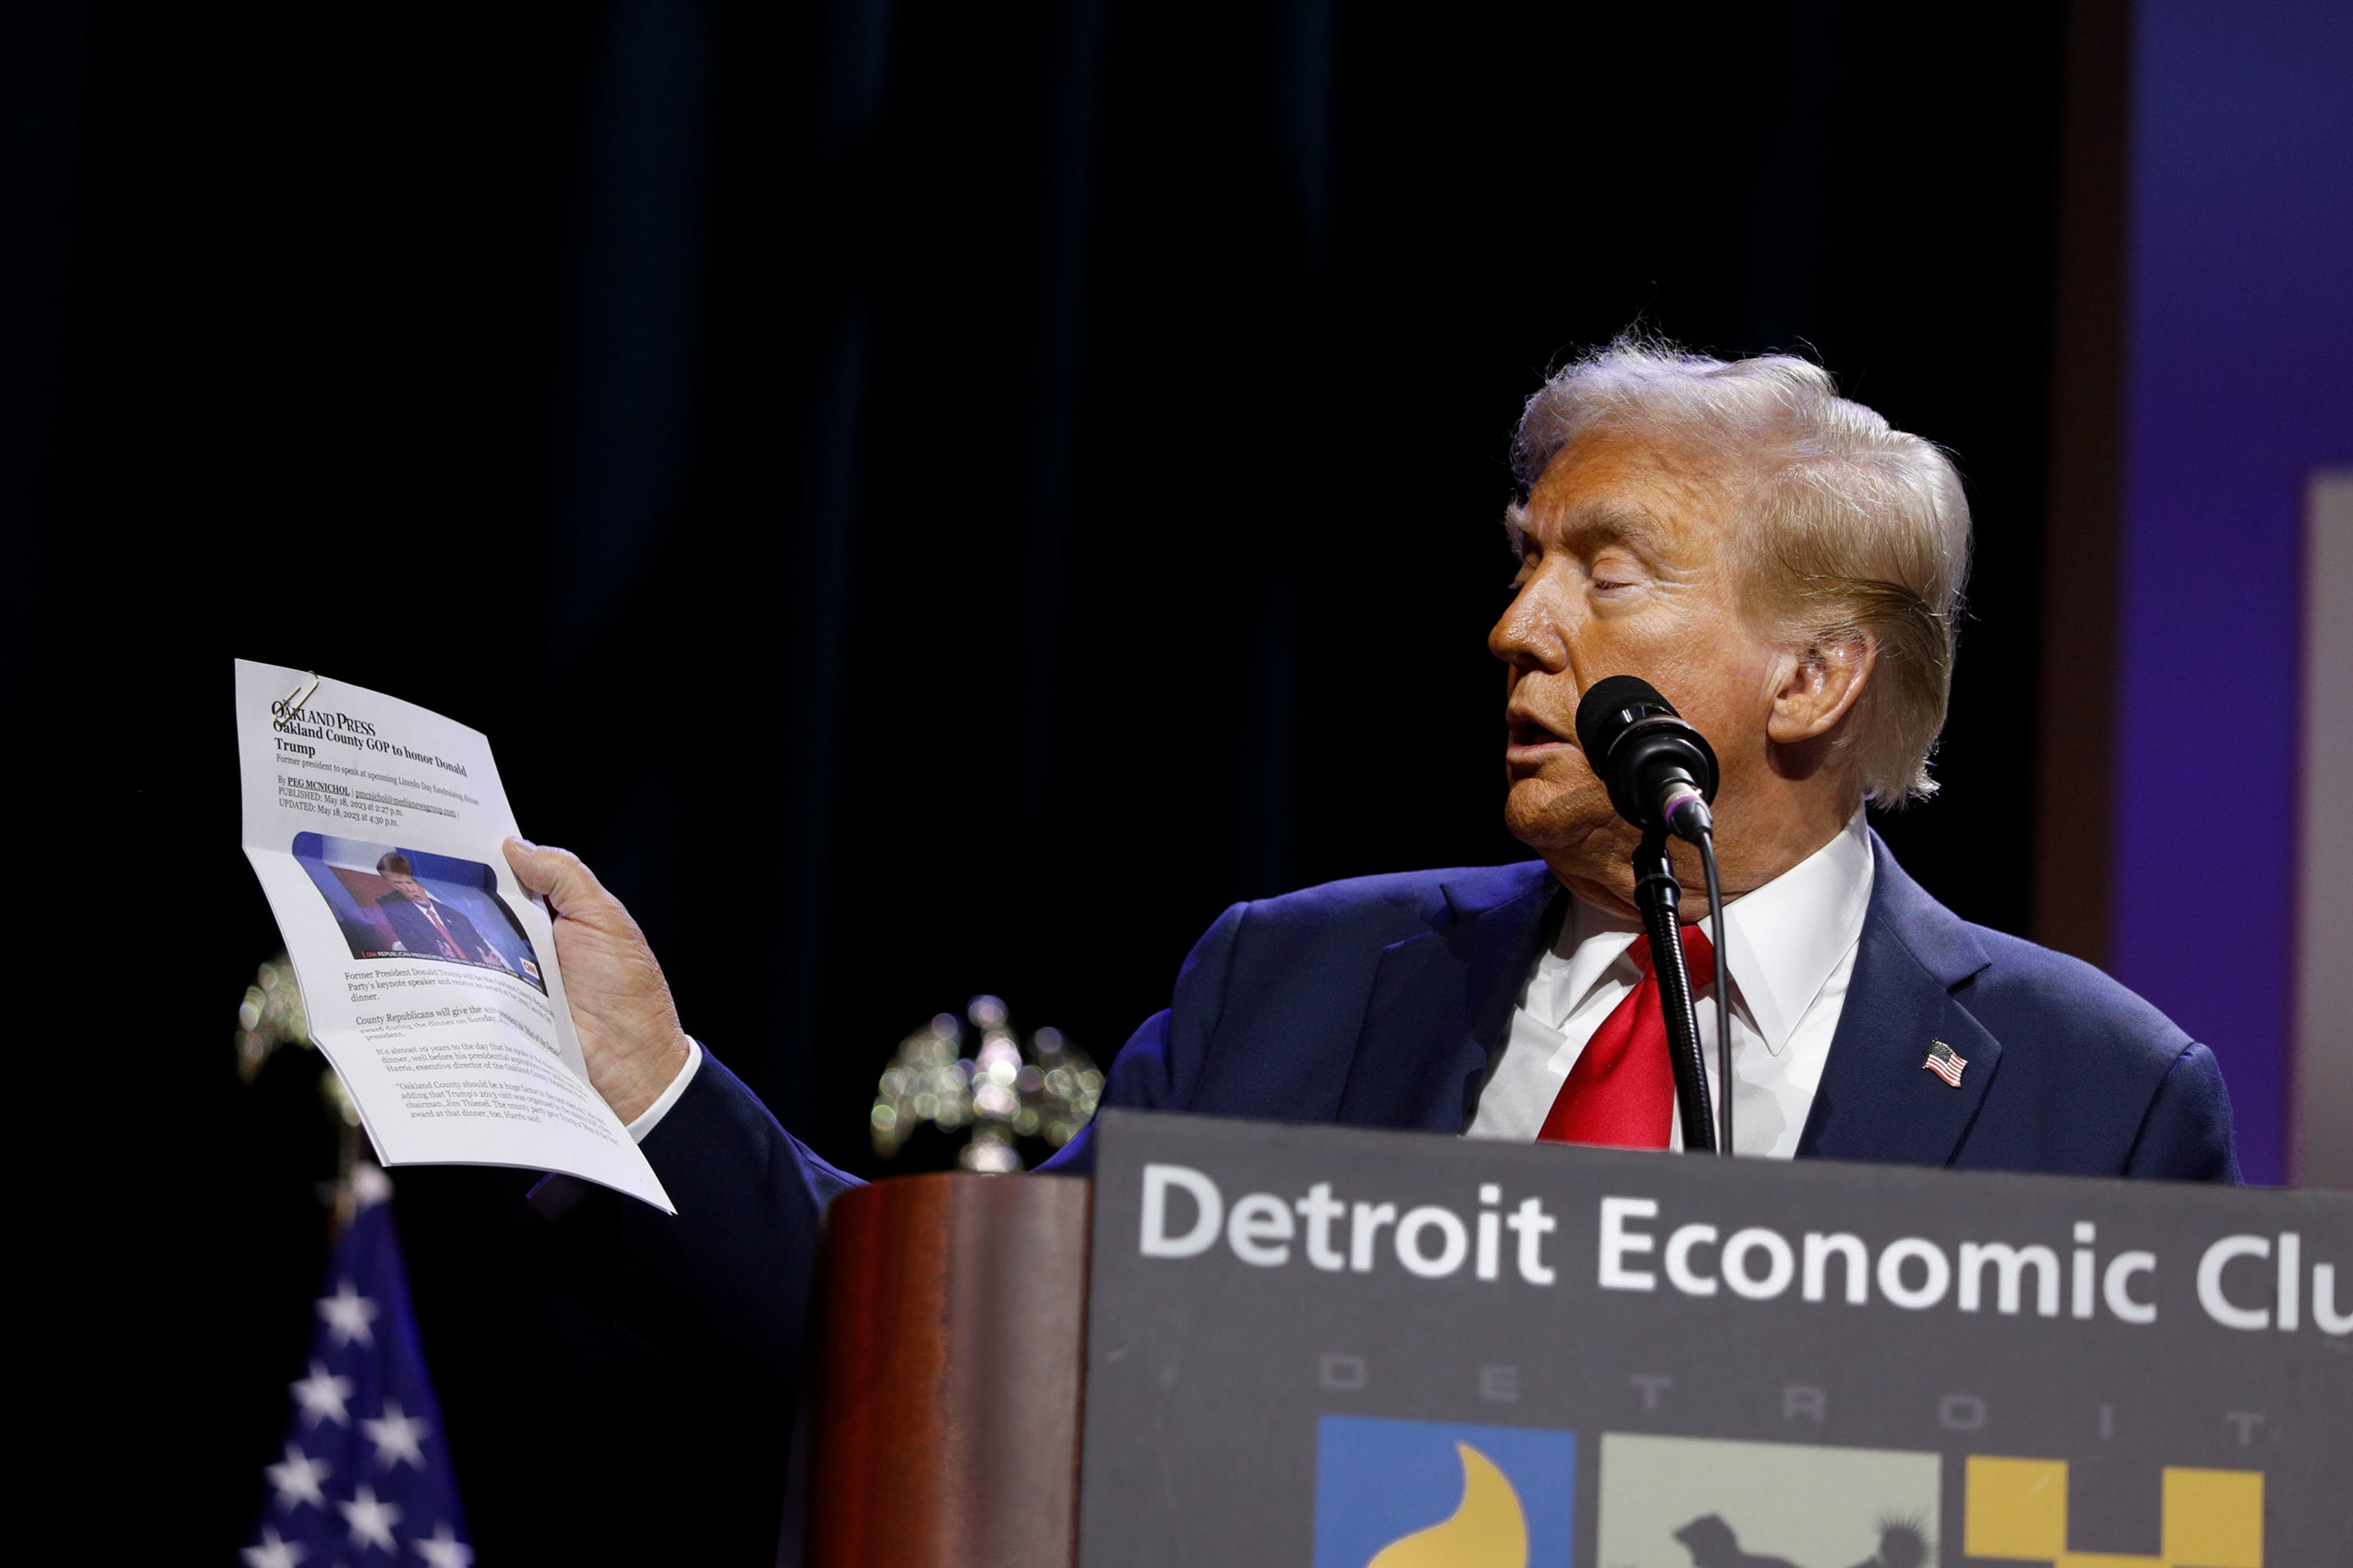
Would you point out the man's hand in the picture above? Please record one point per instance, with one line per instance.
(621, 1004)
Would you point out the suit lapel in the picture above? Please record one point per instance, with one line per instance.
(1441, 1000)
(1877, 1101)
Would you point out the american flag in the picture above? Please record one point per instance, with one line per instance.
(1943, 1063)
(365, 1477)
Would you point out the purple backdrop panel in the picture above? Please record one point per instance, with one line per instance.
(2239, 383)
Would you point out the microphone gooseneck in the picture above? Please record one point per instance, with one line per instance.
(1658, 895)
(1662, 775)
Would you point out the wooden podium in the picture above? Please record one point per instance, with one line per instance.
(952, 1313)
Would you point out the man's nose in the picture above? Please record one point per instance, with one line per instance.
(1528, 635)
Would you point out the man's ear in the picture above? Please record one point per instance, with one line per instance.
(1819, 685)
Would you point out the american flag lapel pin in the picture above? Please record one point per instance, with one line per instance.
(1943, 1063)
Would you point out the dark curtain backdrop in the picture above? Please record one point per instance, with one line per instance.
(926, 498)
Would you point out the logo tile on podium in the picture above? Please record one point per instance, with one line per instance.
(2018, 1508)
(1670, 1502)
(1442, 1494)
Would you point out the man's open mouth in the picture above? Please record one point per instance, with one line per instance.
(1524, 731)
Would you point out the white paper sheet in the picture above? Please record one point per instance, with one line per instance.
(429, 976)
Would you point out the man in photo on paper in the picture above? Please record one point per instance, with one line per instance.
(425, 926)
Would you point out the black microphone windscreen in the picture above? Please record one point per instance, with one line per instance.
(1603, 702)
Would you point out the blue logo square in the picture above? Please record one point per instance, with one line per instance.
(1419, 1494)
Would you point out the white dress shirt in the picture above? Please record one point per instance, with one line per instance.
(1792, 945)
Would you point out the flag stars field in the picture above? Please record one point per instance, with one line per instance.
(296, 1479)
(322, 1396)
(366, 1477)
(397, 1437)
(349, 1316)
(272, 1552)
(442, 1550)
(370, 1518)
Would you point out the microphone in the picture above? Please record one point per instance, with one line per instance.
(1659, 770)
(1662, 775)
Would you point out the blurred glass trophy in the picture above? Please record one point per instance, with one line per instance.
(971, 1079)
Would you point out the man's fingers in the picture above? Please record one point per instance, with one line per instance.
(524, 860)
(556, 875)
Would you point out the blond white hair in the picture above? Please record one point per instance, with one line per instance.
(1849, 529)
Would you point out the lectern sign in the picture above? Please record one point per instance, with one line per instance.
(1324, 1345)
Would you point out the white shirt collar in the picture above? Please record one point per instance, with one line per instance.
(1786, 937)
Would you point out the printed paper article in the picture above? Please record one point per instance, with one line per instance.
(428, 974)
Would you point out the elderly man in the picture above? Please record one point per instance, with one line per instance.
(1785, 567)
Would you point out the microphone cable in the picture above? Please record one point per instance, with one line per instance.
(1723, 992)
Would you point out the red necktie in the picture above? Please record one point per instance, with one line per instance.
(1621, 1092)
(449, 943)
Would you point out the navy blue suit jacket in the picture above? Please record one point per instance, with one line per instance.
(1376, 1002)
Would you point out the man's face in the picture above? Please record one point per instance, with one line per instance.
(1624, 571)
(407, 886)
